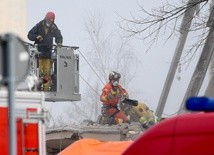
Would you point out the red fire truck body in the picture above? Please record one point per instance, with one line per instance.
(30, 128)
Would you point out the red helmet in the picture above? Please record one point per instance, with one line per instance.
(114, 76)
(50, 16)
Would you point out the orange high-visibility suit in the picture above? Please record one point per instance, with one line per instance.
(110, 98)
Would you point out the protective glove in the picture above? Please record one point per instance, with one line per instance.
(59, 45)
(114, 92)
(39, 38)
(121, 97)
(142, 120)
(110, 96)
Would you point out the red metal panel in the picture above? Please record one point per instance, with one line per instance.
(27, 135)
(31, 139)
(20, 136)
(157, 139)
(3, 131)
(28, 128)
(188, 134)
(194, 134)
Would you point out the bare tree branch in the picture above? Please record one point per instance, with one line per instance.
(165, 21)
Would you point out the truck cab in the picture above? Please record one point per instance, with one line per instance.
(185, 134)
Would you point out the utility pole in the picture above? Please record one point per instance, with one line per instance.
(202, 65)
(210, 87)
(184, 29)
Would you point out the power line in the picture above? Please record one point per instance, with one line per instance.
(89, 85)
(91, 67)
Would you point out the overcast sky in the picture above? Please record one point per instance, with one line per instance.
(70, 16)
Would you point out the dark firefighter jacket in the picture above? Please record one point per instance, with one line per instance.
(45, 46)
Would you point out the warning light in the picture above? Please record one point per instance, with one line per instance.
(200, 104)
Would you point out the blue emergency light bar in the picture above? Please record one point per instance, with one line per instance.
(200, 104)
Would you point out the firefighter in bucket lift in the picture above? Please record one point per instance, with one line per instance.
(43, 34)
(110, 97)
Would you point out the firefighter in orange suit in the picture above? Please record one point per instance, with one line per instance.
(110, 97)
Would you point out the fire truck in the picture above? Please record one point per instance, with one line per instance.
(22, 122)
(30, 119)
